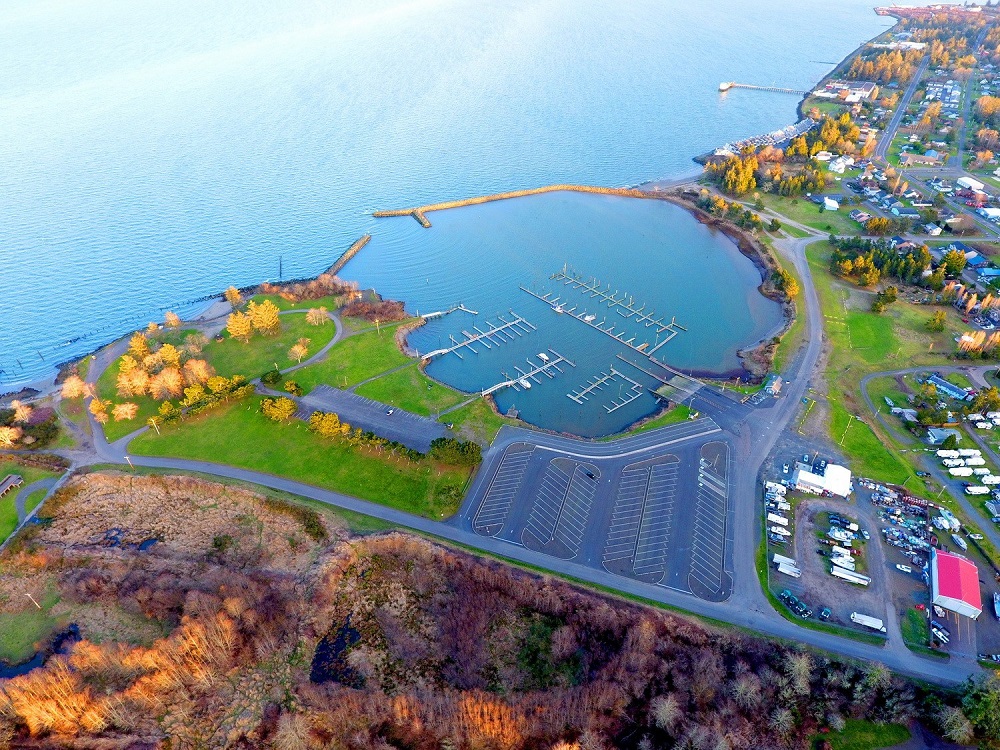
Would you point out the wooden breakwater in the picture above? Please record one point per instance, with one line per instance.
(348, 254)
(419, 213)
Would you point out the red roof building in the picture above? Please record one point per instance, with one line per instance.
(955, 584)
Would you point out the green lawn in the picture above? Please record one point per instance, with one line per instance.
(803, 211)
(864, 735)
(794, 335)
(330, 303)
(107, 390)
(354, 359)
(21, 632)
(412, 390)
(232, 357)
(8, 508)
(238, 435)
(478, 421)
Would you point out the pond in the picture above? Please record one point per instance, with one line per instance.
(654, 257)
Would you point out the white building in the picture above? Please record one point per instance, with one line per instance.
(829, 204)
(836, 480)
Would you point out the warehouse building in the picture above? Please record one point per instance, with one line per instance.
(955, 584)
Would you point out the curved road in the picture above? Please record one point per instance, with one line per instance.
(754, 438)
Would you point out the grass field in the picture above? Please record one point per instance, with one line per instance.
(330, 303)
(412, 390)
(8, 508)
(794, 335)
(231, 357)
(356, 358)
(478, 421)
(864, 735)
(20, 632)
(238, 435)
(803, 211)
(865, 342)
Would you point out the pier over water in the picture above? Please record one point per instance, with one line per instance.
(726, 85)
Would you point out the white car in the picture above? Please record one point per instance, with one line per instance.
(904, 568)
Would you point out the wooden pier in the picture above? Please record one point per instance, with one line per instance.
(726, 85)
(670, 329)
(494, 335)
(549, 362)
(600, 380)
(442, 313)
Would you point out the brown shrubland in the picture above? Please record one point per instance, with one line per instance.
(452, 651)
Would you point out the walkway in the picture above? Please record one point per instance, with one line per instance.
(22, 496)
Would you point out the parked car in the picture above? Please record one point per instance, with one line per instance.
(923, 473)
(824, 614)
(904, 568)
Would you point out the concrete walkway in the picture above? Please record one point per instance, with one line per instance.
(22, 496)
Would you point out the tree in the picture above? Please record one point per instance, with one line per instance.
(278, 409)
(193, 394)
(168, 383)
(132, 382)
(74, 387)
(138, 345)
(950, 443)
(327, 424)
(954, 262)
(877, 225)
(986, 400)
(152, 327)
(22, 411)
(239, 326)
(233, 297)
(195, 342)
(299, 350)
(9, 436)
(264, 316)
(197, 371)
(666, 711)
(774, 226)
(884, 298)
(124, 411)
(981, 704)
(172, 320)
(170, 355)
(317, 316)
(294, 388)
(954, 724)
(937, 321)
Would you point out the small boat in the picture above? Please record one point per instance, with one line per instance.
(559, 309)
(589, 318)
(960, 542)
(996, 604)
(544, 357)
(780, 531)
(524, 383)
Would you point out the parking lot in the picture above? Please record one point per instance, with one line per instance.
(654, 507)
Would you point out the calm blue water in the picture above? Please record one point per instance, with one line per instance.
(654, 251)
(154, 153)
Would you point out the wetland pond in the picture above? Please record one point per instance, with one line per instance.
(654, 257)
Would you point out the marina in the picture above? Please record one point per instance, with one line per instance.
(494, 335)
(597, 384)
(522, 381)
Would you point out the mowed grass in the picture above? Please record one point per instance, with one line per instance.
(676, 414)
(238, 435)
(356, 358)
(261, 353)
(108, 391)
(478, 421)
(8, 507)
(859, 734)
(330, 302)
(804, 211)
(21, 632)
(412, 390)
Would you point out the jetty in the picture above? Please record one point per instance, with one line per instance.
(419, 213)
(348, 254)
(442, 313)
(549, 363)
(599, 381)
(726, 85)
(494, 335)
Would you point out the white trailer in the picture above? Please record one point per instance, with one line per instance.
(780, 520)
(847, 563)
(841, 551)
(950, 462)
(990, 479)
(851, 577)
(981, 471)
(943, 453)
(777, 489)
(782, 560)
(975, 461)
(960, 471)
(789, 570)
(977, 490)
(780, 505)
(869, 622)
(966, 452)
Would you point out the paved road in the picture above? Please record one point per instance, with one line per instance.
(957, 160)
(22, 496)
(882, 147)
(754, 433)
(412, 430)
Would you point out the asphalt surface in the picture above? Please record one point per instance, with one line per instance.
(882, 147)
(25, 492)
(404, 427)
(654, 507)
(750, 434)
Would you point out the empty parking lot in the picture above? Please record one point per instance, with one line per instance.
(654, 507)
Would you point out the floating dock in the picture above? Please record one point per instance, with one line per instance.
(494, 335)
(597, 383)
(549, 362)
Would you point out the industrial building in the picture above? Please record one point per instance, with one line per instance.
(835, 480)
(955, 584)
